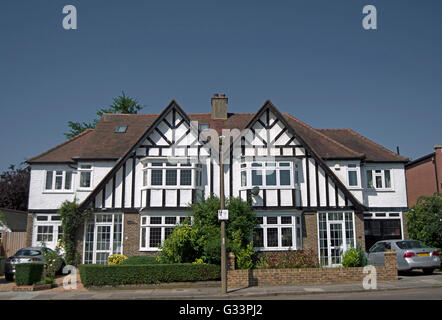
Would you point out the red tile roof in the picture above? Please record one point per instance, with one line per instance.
(371, 150)
(103, 142)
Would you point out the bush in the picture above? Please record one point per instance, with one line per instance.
(424, 220)
(288, 259)
(350, 258)
(116, 259)
(47, 280)
(140, 260)
(244, 256)
(28, 273)
(101, 275)
(54, 260)
(354, 257)
(202, 240)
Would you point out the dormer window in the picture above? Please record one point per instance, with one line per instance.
(121, 129)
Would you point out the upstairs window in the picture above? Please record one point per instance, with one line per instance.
(379, 179)
(58, 180)
(269, 174)
(352, 174)
(85, 175)
(164, 174)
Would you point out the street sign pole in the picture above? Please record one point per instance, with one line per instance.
(223, 222)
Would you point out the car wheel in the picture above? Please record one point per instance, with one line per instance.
(428, 271)
(9, 276)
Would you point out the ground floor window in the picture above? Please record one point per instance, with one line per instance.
(47, 230)
(103, 237)
(278, 232)
(156, 229)
(336, 235)
(382, 226)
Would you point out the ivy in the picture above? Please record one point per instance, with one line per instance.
(72, 218)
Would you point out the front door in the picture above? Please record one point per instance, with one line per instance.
(336, 242)
(103, 243)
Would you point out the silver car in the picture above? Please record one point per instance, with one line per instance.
(411, 254)
(24, 255)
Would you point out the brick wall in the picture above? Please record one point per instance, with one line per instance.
(310, 231)
(268, 277)
(131, 236)
(359, 229)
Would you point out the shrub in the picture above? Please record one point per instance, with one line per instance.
(116, 259)
(28, 273)
(288, 259)
(244, 256)
(72, 218)
(139, 260)
(351, 258)
(202, 240)
(54, 261)
(101, 275)
(47, 280)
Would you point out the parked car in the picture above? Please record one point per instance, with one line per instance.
(25, 255)
(411, 254)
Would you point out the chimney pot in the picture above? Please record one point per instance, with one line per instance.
(215, 95)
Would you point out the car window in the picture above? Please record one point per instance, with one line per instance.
(387, 246)
(410, 244)
(27, 252)
(377, 247)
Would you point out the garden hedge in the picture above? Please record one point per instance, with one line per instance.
(28, 273)
(137, 260)
(102, 275)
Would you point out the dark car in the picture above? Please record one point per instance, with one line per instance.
(25, 255)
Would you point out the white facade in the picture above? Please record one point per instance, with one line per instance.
(173, 165)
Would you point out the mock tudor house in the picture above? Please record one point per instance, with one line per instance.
(324, 190)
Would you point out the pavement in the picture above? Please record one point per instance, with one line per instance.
(211, 290)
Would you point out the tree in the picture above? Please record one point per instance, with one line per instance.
(202, 240)
(424, 220)
(14, 188)
(121, 104)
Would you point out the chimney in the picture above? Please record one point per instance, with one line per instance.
(219, 107)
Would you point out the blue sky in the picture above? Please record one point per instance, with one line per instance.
(312, 58)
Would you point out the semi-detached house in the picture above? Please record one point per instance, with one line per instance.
(319, 189)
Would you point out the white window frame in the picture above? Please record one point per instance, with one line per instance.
(293, 167)
(49, 222)
(193, 167)
(295, 229)
(63, 181)
(358, 175)
(86, 170)
(344, 235)
(377, 174)
(146, 224)
(97, 224)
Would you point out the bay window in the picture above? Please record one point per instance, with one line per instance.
(156, 229)
(269, 175)
(278, 233)
(165, 174)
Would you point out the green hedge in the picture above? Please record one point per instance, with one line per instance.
(28, 273)
(140, 260)
(101, 275)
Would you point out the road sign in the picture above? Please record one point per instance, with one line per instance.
(223, 214)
